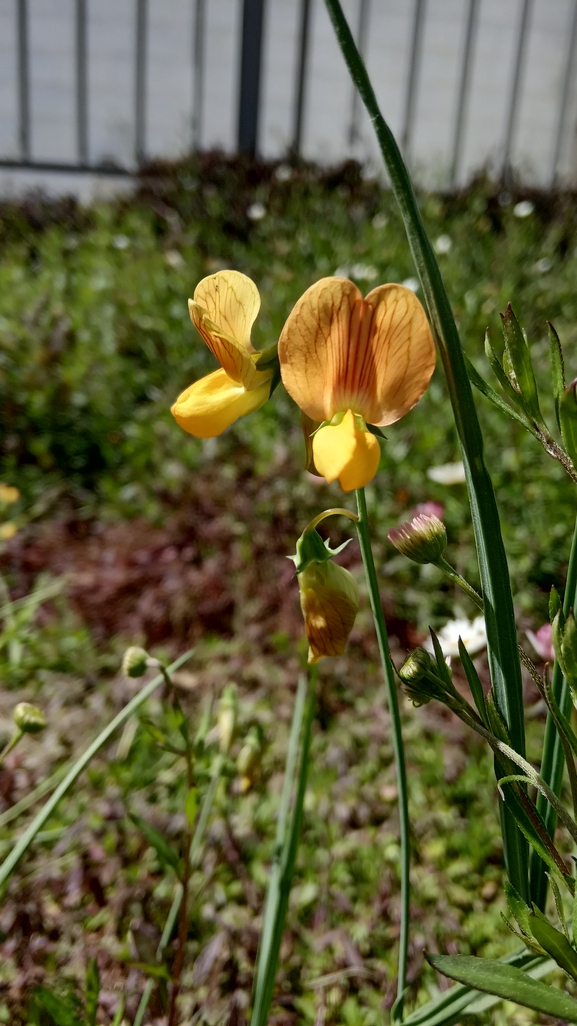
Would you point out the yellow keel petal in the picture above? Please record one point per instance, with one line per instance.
(343, 451)
(211, 405)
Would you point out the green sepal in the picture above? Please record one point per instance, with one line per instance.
(554, 943)
(312, 549)
(374, 430)
(523, 377)
(558, 904)
(568, 420)
(557, 370)
(518, 909)
(554, 603)
(443, 670)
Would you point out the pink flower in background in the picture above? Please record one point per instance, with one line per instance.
(430, 508)
(542, 642)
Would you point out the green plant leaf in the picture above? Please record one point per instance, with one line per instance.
(518, 908)
(165, 852)
(558, 904)
(92, 993)
(485, 389)
(555, 944)
(473, 682)
(568, 420)
(120, 1013)
(517, 348)
(505, 981)
(191, 806)
(61, 1010)
(557, 369)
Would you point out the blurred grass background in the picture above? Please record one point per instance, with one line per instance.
(161, 539)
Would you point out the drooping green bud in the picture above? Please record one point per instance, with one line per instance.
(28, 718)
(423, 539)
(249, 759)
(227, 717)
(135, 662)
(554, 603)
(568, 420)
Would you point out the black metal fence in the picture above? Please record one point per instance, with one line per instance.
(250, 52)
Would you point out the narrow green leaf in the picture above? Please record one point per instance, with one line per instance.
(505, 981)
(120, 1013)
(574, 918)
(442, 668)
(568, 420)
(517, 348)
(500, 374)
(191, 806)
(155, 732)
(484, 387)
(557, 369)
(159, 972)
(554, 601)
(555, 944)
(473, 682)
(165, 852)
(92, 992)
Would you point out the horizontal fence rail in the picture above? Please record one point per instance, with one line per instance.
(107, 85)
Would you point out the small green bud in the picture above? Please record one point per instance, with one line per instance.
(135, 662)
(227, 717)
(418, 677)
(28, 718)
(423, 539)
(250, 756)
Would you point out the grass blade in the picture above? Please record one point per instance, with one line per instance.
(286, 845)
(501, 631)
(24, 842)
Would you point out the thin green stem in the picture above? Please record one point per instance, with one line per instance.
(496, 587)
(24, 842)
(389, 675)
(16, 737)
(553, 759)
(462, 583)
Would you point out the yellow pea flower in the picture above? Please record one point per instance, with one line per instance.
(330, 602)
(348, 362)
(223, 311)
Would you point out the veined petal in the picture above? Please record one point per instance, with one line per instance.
(211, 405)
(345, 452)
(339, 351)
(224, 309)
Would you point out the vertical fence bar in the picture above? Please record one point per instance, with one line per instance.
(513, 106)
(250, 69)
(81, 84)
(464, 89)
(23, 81)
(413, 78)
(564, 99)
(302, 67)
(198, 72)
(140, 82)
(361, 41)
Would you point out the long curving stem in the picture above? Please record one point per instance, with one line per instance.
(398, 748)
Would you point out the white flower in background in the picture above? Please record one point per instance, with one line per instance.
(543, 265)
(447, 473)
(473, 634)
(523, 209)
(542, 642)
(411, 283)
(380, 221)
(121, 242)
(343, 271)
(364, 272)
(256, 211)
(443, 244)
(283, 173)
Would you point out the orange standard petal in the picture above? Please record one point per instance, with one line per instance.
(346, 452)
(340, 352)
(223, 311)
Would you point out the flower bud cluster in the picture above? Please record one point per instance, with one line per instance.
(423, 539)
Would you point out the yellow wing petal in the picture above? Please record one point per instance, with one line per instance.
(314, 344)
(211, 405)
(401, 356)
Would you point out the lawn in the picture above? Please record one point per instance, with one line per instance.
(148, 536)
